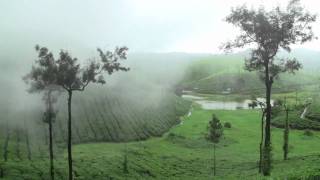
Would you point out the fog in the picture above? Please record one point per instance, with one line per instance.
(142, 25)
(162, 37)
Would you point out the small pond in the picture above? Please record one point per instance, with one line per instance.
(222, 105)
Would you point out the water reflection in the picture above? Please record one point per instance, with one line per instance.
(222, 105)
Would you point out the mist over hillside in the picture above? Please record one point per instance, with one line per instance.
(152, 76)
(149, 72)
(308, 57)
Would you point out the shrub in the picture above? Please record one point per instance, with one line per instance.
(227, 125)
(215, 129)
(308, 133)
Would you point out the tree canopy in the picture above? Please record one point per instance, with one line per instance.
(215, 129)
(268, 32)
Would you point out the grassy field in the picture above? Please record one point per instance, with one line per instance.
(215, 74)
(183, 153)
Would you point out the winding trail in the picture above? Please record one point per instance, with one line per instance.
(304, 112)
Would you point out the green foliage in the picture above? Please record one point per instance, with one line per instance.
(227, 125)
(215, 130)
(65, 71)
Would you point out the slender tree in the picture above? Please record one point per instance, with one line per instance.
(267, 32)
(262, 106)
(41, 79)
(215, 133)
(255, 102)
(66, 73)
(49, 117)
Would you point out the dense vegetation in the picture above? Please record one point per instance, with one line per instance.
(182, 153)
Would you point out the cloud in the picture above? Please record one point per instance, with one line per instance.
(142, 25)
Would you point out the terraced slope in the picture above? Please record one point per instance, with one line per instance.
(111, 118)
(96, 118)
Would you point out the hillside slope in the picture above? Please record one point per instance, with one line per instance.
(219, 73)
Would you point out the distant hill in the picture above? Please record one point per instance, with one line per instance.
(216, 73)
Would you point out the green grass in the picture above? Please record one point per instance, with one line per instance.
(183, 153)
(215, 74)
(188, 154)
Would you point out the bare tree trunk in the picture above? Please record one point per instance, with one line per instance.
(261, 142)
(286, 137)
(69, 136)
(267, 141)
(50, 117)
(51, 149)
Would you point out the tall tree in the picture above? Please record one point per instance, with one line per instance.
(49, 117)
(215, 133)
(267, 32)
(66, 72)
(41, 79)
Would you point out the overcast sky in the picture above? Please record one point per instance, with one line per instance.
(142, 25)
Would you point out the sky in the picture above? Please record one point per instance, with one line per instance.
(192, 26)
